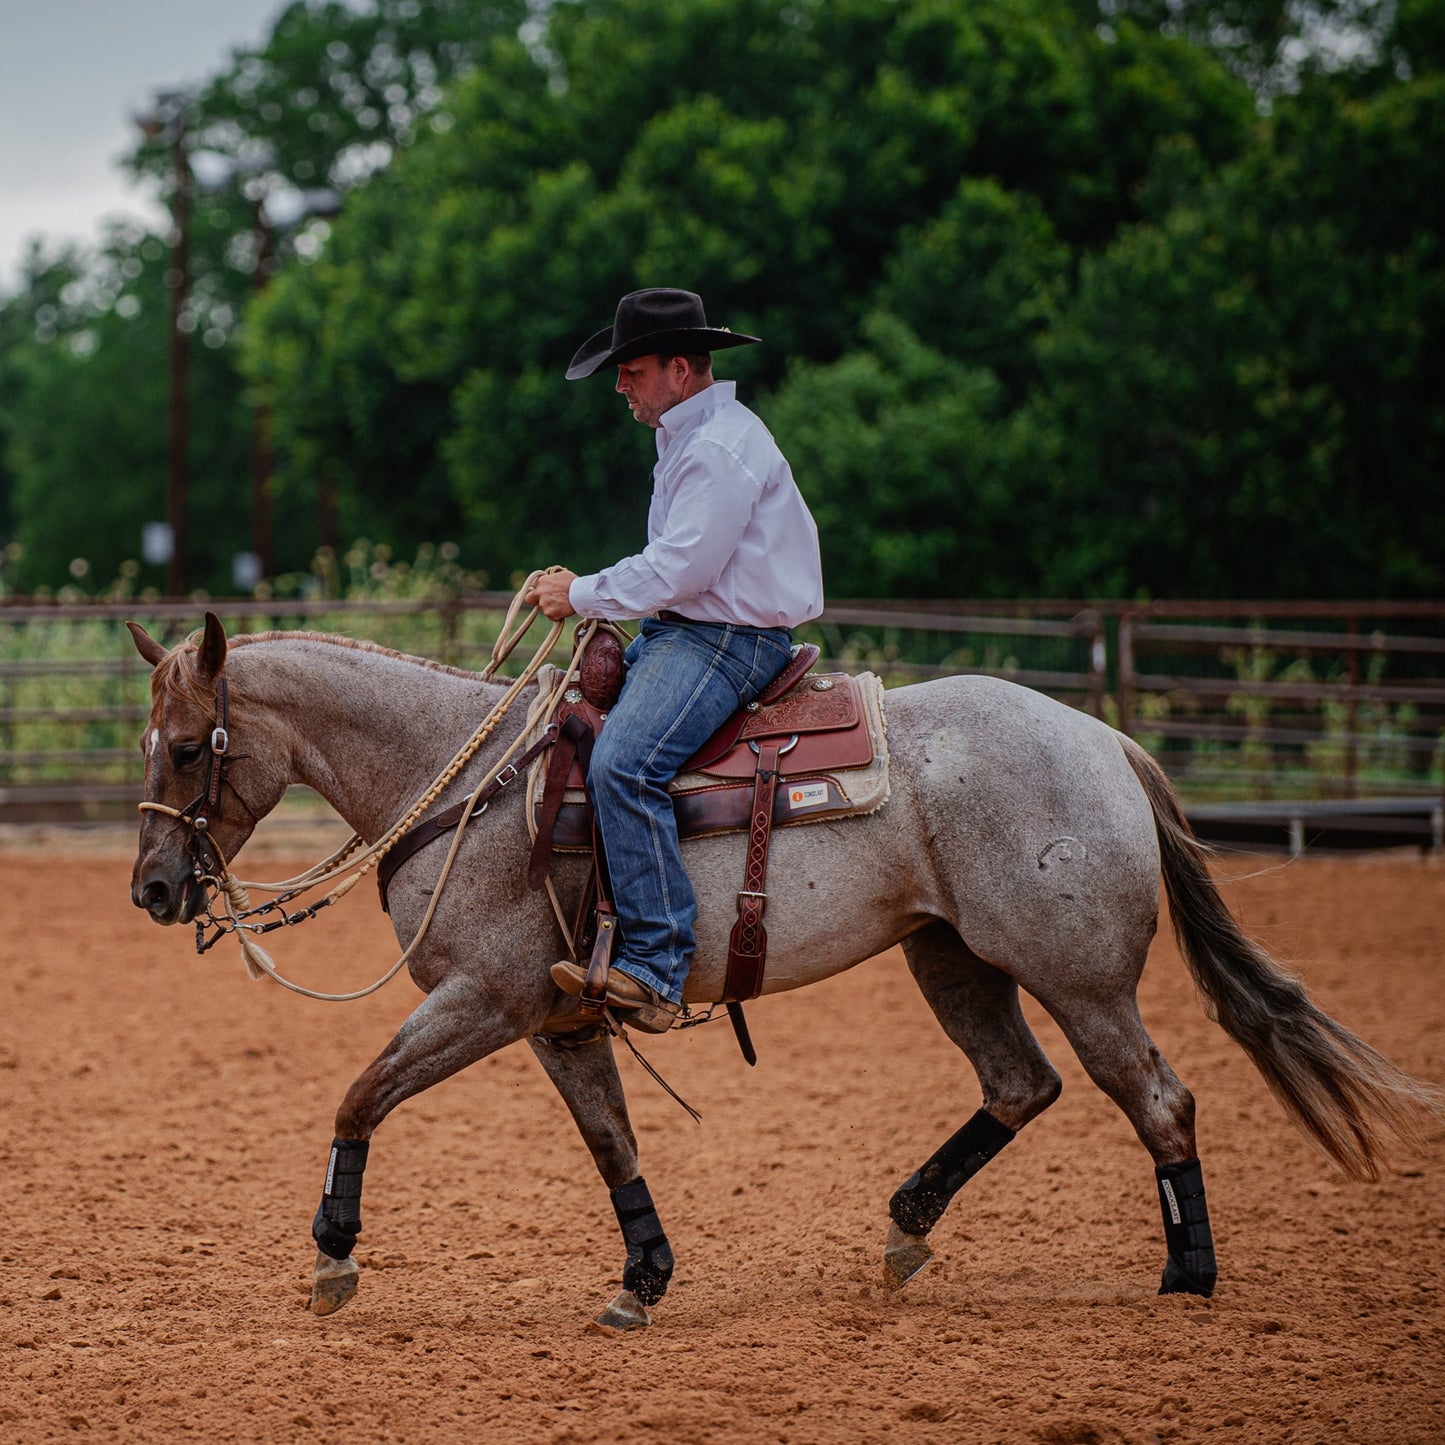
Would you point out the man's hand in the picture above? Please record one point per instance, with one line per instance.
(549, 592)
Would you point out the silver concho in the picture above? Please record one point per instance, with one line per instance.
(572, 695)
(822, 684)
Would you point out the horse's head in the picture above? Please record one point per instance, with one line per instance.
(203, 792)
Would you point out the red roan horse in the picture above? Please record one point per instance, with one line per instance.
(1021, 847)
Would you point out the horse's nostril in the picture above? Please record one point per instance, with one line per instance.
(156, 897)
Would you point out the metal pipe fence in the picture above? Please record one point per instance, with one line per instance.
(1245, 701)
(1261, 701)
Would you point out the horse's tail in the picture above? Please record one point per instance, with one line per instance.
(1345, 1096)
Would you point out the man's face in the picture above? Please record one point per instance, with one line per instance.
(652, 386)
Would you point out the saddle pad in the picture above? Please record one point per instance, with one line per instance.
(721, 802)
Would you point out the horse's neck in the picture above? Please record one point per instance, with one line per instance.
(366, 730)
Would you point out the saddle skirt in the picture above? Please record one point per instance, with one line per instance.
(833, 765)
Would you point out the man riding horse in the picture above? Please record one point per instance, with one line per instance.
(731, 566)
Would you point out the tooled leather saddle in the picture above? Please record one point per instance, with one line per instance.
(772, 763)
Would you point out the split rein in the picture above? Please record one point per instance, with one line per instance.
(238, 916)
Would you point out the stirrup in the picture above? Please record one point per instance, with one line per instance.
(593, 999)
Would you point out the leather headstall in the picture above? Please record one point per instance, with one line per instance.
(220, 753)
(208, 808)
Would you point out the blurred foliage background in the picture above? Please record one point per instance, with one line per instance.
(1059, 297)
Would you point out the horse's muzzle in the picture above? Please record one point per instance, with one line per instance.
(165, 901)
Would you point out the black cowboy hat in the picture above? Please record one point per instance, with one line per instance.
(660, 321)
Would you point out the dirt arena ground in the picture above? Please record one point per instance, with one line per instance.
(166, 1122)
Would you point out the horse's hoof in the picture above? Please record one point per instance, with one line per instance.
(333, 1283)
(626, 1312)
(904, 1255)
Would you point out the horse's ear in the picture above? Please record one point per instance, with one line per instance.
(145, 644)
(213, 649)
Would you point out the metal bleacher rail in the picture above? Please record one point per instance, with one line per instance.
(1282, 723)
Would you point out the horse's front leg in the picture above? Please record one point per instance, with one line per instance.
(586, 1077)
(455, 1025)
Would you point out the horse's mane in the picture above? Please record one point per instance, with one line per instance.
(175, 674)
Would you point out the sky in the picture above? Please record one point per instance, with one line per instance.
(73, 74)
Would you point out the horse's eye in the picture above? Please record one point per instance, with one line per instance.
(188, 753)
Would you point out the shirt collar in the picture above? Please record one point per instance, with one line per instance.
(688, 413)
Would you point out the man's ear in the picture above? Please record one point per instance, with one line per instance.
(145, 644)
(213, 649)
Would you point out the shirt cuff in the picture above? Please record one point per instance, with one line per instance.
(582, 594)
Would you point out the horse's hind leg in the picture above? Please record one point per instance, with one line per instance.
(978, 1006)
(586, 1076)
(1112, 1044)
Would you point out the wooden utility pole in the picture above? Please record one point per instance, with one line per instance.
(177, 278)
(262, 458)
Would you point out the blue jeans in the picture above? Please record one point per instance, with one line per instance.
(684, 680)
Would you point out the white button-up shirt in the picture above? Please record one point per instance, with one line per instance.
(729, 536)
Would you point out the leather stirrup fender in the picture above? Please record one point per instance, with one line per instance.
(748, 942)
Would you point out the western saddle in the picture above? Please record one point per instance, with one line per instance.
(814, 726)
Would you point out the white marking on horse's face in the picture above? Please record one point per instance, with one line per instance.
(151, 741)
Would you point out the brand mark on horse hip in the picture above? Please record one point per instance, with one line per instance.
(1063, 850)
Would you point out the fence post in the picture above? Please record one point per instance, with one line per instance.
(1352, 713)
(451, 614)
(1126, 672)
(1091, 623)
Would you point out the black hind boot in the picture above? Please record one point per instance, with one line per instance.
(1191, 1267)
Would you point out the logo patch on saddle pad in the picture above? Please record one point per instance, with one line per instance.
(807, 795)
(839, 761)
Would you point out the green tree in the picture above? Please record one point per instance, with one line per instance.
(921, 483)
(1273, 43)
(803, 165)
(85, 421)
(334, 92)
(982, 280)
(1247, 387)
(1049, 304)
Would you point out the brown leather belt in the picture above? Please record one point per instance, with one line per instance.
(665, 616)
